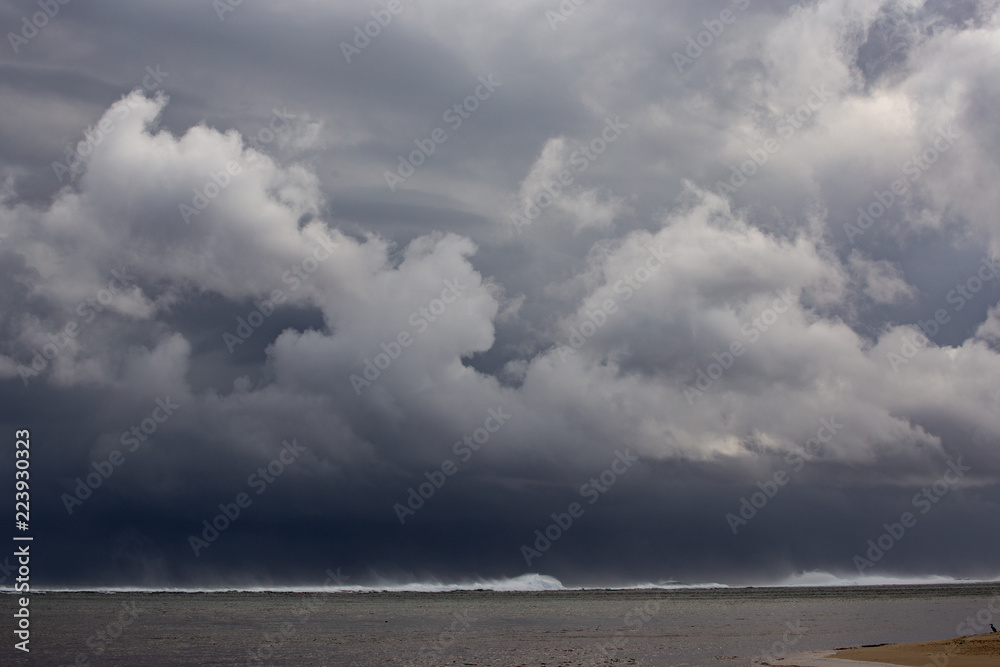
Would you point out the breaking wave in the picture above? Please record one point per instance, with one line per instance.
(820, 578)
(534, 582)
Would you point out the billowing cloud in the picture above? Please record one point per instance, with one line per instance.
(780, 259)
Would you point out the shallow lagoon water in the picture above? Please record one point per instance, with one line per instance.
(685, 627)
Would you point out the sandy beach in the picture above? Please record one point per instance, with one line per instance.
(973, 651)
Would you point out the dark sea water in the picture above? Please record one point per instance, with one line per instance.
(717, 626)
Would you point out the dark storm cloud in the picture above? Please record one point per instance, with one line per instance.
(621, 256)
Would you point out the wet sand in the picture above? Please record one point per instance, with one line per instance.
(974, 651)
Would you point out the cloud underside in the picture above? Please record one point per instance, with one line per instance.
(706, 293)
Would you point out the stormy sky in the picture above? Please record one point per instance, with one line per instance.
(698, 291)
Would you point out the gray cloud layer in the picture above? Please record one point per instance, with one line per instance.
(701, 234)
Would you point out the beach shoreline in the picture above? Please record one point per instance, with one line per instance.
(969, 651)
(724, 627)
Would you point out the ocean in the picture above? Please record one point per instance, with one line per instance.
(675, 626)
